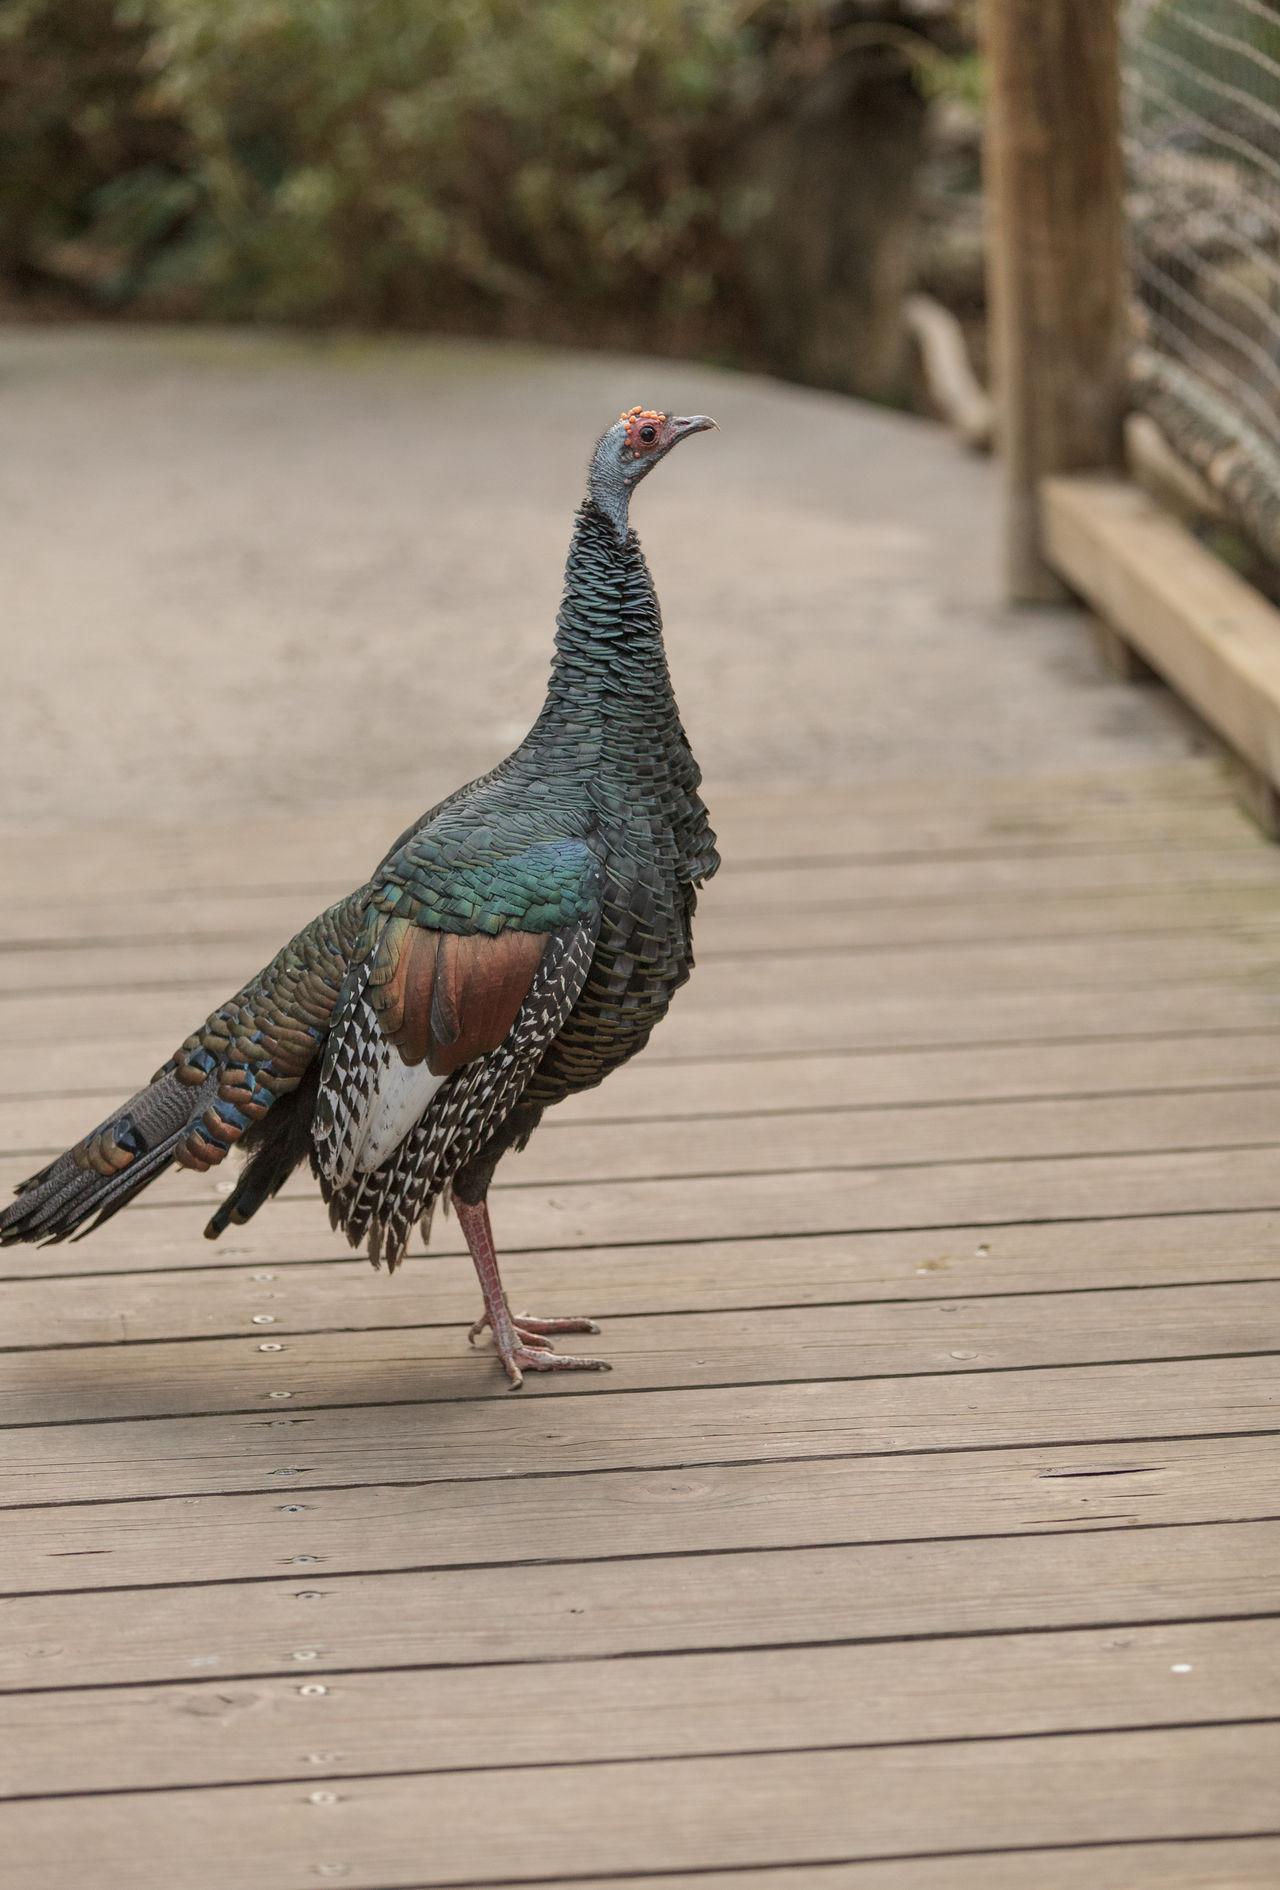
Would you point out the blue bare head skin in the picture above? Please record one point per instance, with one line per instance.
(631, 448)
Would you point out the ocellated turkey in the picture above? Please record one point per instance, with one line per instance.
(516, 944)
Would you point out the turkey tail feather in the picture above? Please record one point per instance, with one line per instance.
(275, 1147)
(94, 1180)
(249, 1059)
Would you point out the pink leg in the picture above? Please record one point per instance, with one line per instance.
(520, 1338)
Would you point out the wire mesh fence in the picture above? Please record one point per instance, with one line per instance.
(1202, 85)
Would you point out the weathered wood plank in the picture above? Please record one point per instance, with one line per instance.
(770, 1699)
(730, 1206)
(1022, 878)
(1107, 790)
(929, 1079)
(848, 1019)
(615, 1429)
(835, 1138)
(659, 1815)
(921, 1077)
(1184, 803)
(1199, 1864)
(312, 1624)
(136, 1287)
(430, 1363)
(809, 923)
(981, 805)
(622, 1512)
(1216, 638)
(962, 980)
(866, 1137)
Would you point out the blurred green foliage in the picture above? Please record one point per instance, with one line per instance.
(378, 160)
(566, 169)
(74, 119)
(387, 158)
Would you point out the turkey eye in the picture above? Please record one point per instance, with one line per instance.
(648, 435)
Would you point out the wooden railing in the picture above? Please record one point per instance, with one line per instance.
(1062, 350)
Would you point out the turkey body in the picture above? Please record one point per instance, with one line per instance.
(514, 946)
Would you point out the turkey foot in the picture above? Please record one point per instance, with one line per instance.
(531, 1329)
(521, 1338)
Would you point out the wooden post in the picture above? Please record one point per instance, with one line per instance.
(1056, 279)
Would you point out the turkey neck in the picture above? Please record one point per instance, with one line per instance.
(610, 717)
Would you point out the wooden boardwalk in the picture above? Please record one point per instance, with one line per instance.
(927, 1533)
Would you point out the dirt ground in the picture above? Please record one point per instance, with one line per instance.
(244, 573)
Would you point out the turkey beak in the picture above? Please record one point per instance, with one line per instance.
(682, 425)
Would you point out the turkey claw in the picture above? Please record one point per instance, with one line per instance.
(532, 1329)
(524, 1356)
(530, 1350)
(529, 1322)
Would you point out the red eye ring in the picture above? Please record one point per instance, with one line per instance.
(644, 428)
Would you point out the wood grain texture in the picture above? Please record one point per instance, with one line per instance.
(837, 1078)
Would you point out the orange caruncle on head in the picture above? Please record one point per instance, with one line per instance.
(644, 428)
